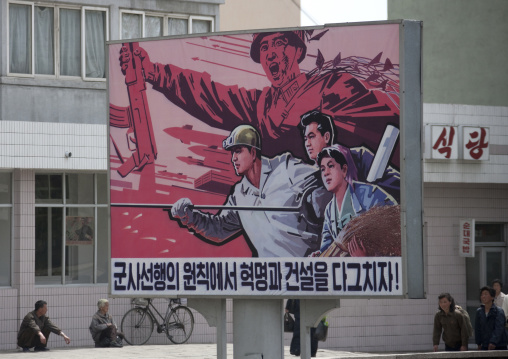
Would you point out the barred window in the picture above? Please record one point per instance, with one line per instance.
(71, 222)
(139, 24)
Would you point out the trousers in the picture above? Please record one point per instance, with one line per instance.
(29, 338)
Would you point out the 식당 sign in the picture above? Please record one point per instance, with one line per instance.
(445, 142)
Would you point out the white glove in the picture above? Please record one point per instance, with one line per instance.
(182, 209)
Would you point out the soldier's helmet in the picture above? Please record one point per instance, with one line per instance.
(243, 135)
(296, 38)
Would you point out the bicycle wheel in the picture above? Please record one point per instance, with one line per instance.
(137, 326)
(179, 325)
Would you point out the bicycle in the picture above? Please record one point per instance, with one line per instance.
(137, 324)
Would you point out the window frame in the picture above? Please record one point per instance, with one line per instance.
(32, 58)
(134, 12)
(195, 17)
(64, 206)
(11, 239)
(84, 9)
(56, 39)
(165, 17)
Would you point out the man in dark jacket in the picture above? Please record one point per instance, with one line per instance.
(489, 325)
(36, 327)
(293, 307)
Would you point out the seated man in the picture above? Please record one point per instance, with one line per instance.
(36, 327)
(104, 329)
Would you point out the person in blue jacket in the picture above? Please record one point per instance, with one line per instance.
(489, 330)
(350, 198)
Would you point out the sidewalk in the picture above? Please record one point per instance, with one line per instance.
(184, 351)
(209, 351)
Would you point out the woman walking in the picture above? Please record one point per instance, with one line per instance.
(450, 322)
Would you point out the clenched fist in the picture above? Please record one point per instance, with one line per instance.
(125, 61)
(182, 209)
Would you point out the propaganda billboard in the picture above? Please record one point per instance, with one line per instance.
(257, 164)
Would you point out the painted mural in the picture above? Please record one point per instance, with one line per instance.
(257, 163)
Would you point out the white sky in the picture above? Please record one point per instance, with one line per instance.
(319, 12)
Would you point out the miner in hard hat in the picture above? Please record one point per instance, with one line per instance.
(282, 181)
(276, 109)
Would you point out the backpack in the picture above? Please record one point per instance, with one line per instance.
(465, 314)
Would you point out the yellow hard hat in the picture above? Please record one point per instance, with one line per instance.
(243, 135)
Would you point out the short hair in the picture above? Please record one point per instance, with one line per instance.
(339, 153)
(324, 124)
(39, 304)
(497, 281)
(249, 148)
(491, 291)
(258, 152)
(450, 299)
(101, 303)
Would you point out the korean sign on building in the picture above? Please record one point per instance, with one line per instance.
(466, 238)
(446, 139)
(257, 164)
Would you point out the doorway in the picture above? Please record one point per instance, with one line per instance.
(489, 263)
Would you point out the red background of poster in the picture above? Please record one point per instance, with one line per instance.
(189, 149)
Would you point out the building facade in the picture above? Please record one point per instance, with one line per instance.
(53, 159)
(53, 150)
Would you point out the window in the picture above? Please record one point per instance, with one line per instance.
(5, 228)
(138, 24)
(71, 228)
(54, 40)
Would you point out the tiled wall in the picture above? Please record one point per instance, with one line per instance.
(9, 315)
(39, 145)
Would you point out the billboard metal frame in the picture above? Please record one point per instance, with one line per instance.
(411, 162)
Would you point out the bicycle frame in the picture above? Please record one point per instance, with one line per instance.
(163, 318)
(177, 323)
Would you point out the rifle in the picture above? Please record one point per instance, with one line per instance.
(136, 116)
(167, 207)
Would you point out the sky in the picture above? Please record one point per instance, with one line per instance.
(320, 12)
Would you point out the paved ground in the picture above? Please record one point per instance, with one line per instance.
(191, 351)
(209, 351)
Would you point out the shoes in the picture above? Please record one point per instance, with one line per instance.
(297, 353)
(116, 345)
(119, 340)
(41, 349)
(26, 349)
